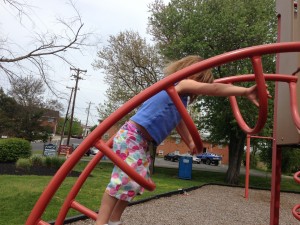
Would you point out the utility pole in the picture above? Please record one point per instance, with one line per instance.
(87, 119)
(66, 117)
(77, 77)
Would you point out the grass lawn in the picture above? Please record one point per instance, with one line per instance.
(19, 193)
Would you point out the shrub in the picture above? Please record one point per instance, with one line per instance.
(48, 161)
(24, 164)
(13, 149)
(36, 160)
(55, 162)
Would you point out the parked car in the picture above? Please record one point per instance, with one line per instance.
(196, 159)
(210, 158)
(94, 151)
(171, 157)
(77, 136)
(88, 153)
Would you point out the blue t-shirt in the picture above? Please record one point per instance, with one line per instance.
(159, 116)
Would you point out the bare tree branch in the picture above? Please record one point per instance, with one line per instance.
(47, 45)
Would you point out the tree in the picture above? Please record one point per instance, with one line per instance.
(9, 111)
(210, 28)
(76, 127)
(34, 60)
(130, 65)
(28, 92)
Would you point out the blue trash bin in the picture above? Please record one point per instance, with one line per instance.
(185, 167)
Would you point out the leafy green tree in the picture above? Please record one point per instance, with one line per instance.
(76, 126)
(130, 65)
(209, 28)
(290, 162)
(28, 92)
(20, 121)
(9, 111)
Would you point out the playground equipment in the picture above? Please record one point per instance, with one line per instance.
(284, 132)
(94, 139)
(287, 63)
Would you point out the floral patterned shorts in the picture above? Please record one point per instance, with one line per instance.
(131, 147)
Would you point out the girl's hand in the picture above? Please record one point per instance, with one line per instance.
(193, 148)
(252, 94)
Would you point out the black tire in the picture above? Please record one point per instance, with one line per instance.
(216, 163)
(208, 162)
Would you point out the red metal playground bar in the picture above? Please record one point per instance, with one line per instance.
(94, 139)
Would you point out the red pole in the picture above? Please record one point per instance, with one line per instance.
(247, 167)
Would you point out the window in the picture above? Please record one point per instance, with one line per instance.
(50, 120)
(161, 152)
(177, 140)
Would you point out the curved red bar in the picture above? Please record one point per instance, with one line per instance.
(297, 177)
(263, 101)
(296, 212)
(296, 209)
(292, 80)
(93, 138)
(186, 118)
(294, 105)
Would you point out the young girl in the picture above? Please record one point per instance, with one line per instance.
(153, 122)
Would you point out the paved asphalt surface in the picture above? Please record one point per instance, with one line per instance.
(203, 167)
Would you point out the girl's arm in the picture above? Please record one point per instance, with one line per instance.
(216, 89)
(183, 131)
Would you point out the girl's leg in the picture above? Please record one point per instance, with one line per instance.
(108, 204)
(118, 211)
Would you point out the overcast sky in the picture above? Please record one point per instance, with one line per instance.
(102, 17)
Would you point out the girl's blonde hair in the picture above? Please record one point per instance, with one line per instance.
(202, 76)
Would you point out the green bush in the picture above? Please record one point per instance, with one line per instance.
(23, 164)
(55, 162)
(27, 163)
(37, 160)
(48, 161)
(13, 149)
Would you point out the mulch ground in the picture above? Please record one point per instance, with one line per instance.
(10, 169)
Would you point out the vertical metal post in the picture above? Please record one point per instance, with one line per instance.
(247, 167)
